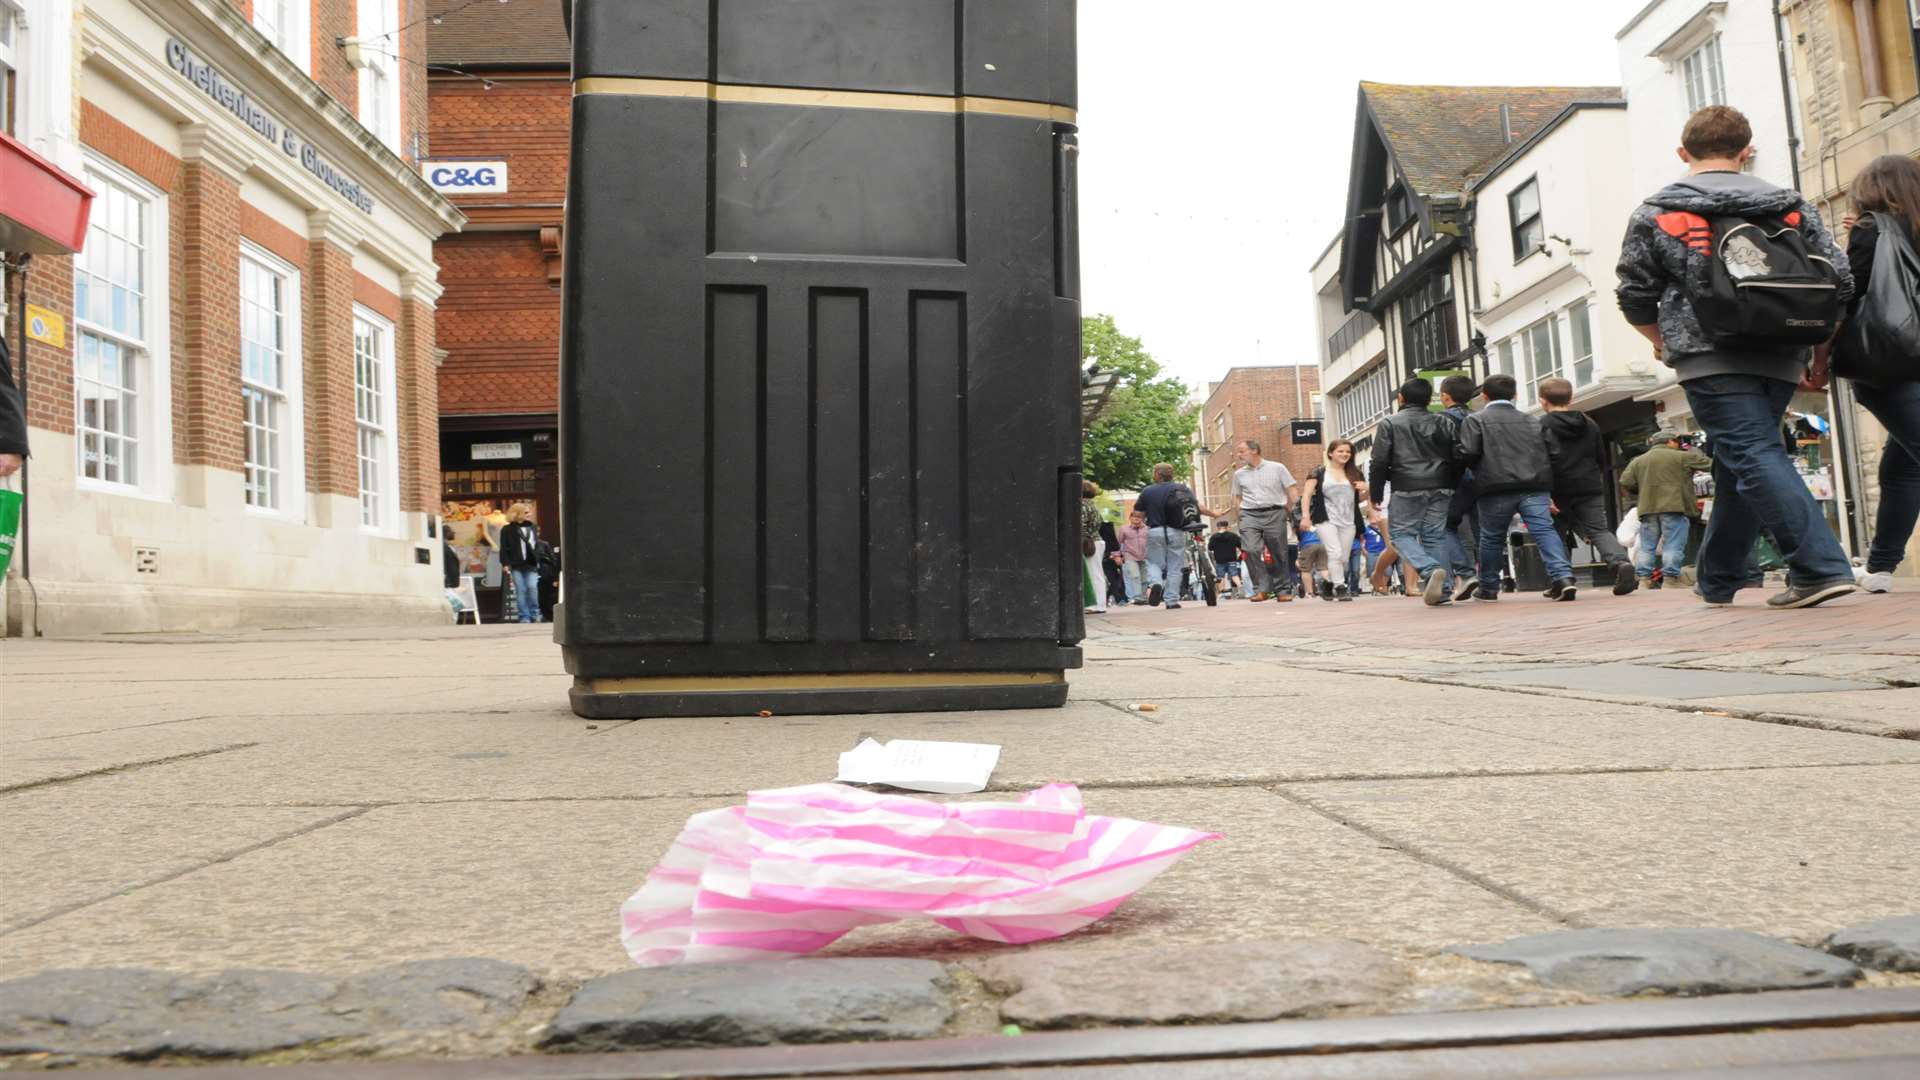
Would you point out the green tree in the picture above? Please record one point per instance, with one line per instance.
(1145, 421)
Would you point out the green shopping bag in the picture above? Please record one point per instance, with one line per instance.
(9, 526)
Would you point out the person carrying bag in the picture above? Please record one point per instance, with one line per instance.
(1878, 348)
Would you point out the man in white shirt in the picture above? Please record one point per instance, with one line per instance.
(1264, 495)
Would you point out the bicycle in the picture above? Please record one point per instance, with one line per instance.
(1200, 568)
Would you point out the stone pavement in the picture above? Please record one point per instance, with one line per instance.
(1405, 780)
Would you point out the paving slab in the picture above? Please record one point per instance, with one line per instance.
(1244, 981)
(41, 710)
(1645, 680)
(1791, 853)
(1894, 712)
(1281, 871)
(1885, 944)
(1624, 961)
(59, 855)
(540, 884)
(533, 884)
(785, 1002)
(138, 1015)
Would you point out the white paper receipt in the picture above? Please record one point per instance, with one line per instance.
(944, 768)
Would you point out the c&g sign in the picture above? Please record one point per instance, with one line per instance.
(466, 177)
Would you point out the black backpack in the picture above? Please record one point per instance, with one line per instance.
(1763, 288)
(1881, 344)
(1183, 510)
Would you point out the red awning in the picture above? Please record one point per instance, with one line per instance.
(43, 211)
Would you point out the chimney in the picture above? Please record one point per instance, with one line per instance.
(1506, 124)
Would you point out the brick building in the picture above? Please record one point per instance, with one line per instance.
(231, 389)
(500, 106)
(1254, 403)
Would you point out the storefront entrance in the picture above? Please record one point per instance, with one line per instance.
(484, 474)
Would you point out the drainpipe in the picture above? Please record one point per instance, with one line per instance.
(1786, 92)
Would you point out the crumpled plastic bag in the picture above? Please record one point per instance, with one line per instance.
(795, 869)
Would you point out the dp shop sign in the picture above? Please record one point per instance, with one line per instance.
(235, 100)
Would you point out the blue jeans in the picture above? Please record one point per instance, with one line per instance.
(1462, 539)
(1898, 410)
(1536, 509)
(1417, 522)
(526, 593)
(1755, 487)
(1166, 559)
(1663, 544)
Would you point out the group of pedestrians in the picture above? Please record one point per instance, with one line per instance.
(1741, 290)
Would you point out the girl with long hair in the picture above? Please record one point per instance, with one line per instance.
(1334, 504)
(1886, 195)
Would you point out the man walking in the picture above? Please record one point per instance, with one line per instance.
(1264, 494)
(1732, 279)
(1579, 480)
(1413, 450)
(1661, 482)
(1463, 524)
(1132, 556)
(1513, 462)
(1166, 540)
(1224, 547)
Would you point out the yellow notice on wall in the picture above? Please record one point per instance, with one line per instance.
(45, 326)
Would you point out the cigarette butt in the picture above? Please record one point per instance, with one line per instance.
(1145, 706)
(766, 713)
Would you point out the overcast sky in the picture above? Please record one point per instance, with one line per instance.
(1215, 137)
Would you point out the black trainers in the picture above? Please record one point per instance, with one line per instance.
(1802, 596)
(1564, 589)
(1341, 592)
(1486, 594)
(1156, 594)
(1465, 588)
(1624, 579)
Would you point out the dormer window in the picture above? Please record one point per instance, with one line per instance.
(1399, 209)
(1704, 74)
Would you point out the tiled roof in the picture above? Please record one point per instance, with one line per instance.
(518, 32)
(1442, 136)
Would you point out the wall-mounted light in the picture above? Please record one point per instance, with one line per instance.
(359, 57)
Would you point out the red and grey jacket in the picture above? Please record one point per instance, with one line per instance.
(1669, 243)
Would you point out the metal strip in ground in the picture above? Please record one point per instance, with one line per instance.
(1318, 1039)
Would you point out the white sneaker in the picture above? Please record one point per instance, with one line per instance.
(1879, 583)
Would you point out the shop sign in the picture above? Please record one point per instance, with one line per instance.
(466, 177)
(1306, 433)
(47, 327)
(235, 100)
(496, 451)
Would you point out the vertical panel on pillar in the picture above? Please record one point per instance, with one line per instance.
(838, 333)
(888, 583)
(937, 335)
(1015, 429)
(736, 354)
(786, 466)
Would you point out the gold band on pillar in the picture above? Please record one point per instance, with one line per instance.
(880, 680)
(824, 99)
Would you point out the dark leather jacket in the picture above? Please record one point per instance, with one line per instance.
(1508, 450)
(1414, 450)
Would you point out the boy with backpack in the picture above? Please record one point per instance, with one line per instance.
(1733, 280)
(1513, 465)
(1579, 480)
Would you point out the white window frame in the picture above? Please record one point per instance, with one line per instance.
(1534, 223)
(153, 414)
(285, 23)
(1364, 400)
(379, 22)
(1580, 313)
(1535, 373)
(290, 441)
(1703, 74)
(383, 506)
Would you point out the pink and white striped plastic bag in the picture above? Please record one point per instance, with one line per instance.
(793, 870)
